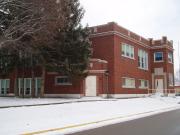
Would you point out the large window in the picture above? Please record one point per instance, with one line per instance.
(24, 86)
(170, 57)
(4, 86)
(144, 84)
(127, 51)
(143, 59)
(158, 56)
(38, 82)
(128, 82)
(171, 79)
(63, 80)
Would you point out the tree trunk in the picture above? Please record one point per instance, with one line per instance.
(43, 81)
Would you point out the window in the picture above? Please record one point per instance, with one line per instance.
(127, 51)
(142, 59)
(170, 57)
(63, 80)
(24, 86)
(144, 84)
(128, 82)
(158, 56)
(27, 83)
(4, 86)
(38, 82)
(171, 79)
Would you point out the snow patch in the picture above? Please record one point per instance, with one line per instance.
(30, 119)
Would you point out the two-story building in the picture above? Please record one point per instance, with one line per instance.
(135, 64)
(123, 64)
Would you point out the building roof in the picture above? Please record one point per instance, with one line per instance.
(114, 28)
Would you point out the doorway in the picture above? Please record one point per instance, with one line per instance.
(159, 85)
(91, 86)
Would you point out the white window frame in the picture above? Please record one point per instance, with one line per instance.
(169, 58)
(145, 57)
(155, 57)
(58, 77)
(143, 87)
(127, 49)
(125, 86)
(36, 85)
(20, 80)
(30, 85)
(5, 86)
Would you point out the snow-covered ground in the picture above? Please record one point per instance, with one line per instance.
(13, 101)
(82, 114)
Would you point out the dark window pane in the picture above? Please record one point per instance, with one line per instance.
(158, 56)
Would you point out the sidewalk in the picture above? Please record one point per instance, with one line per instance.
(8, 102)
(78, 114)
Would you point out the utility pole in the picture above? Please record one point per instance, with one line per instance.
(179, 63)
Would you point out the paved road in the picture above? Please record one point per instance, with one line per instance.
(167, 123)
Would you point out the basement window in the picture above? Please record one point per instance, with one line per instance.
(128, 82)
(144, 84)
(63, 80)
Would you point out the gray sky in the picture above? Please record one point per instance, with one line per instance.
(148, 18)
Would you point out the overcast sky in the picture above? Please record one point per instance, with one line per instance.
(148, 18)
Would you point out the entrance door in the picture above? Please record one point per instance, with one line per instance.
(91, 86)
(159, 85)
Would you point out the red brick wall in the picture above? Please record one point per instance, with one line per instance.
(52, 88)
(108, 47)
(103, 48)
(168, 67)
(78, 86)
(125, 67)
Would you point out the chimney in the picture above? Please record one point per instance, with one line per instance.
(164, 40)
(151, 41)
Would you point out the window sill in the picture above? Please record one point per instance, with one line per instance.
(171, 63)
(128, 57)
(64, 84)
(158, 61)
(143, 69)
(143, 88)
(126, 87)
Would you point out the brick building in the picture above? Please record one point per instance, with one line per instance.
(135, 64)
(123, 64)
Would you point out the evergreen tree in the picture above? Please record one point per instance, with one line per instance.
(47, 30)
(70, 51)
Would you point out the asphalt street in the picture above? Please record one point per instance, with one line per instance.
(167, 123)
